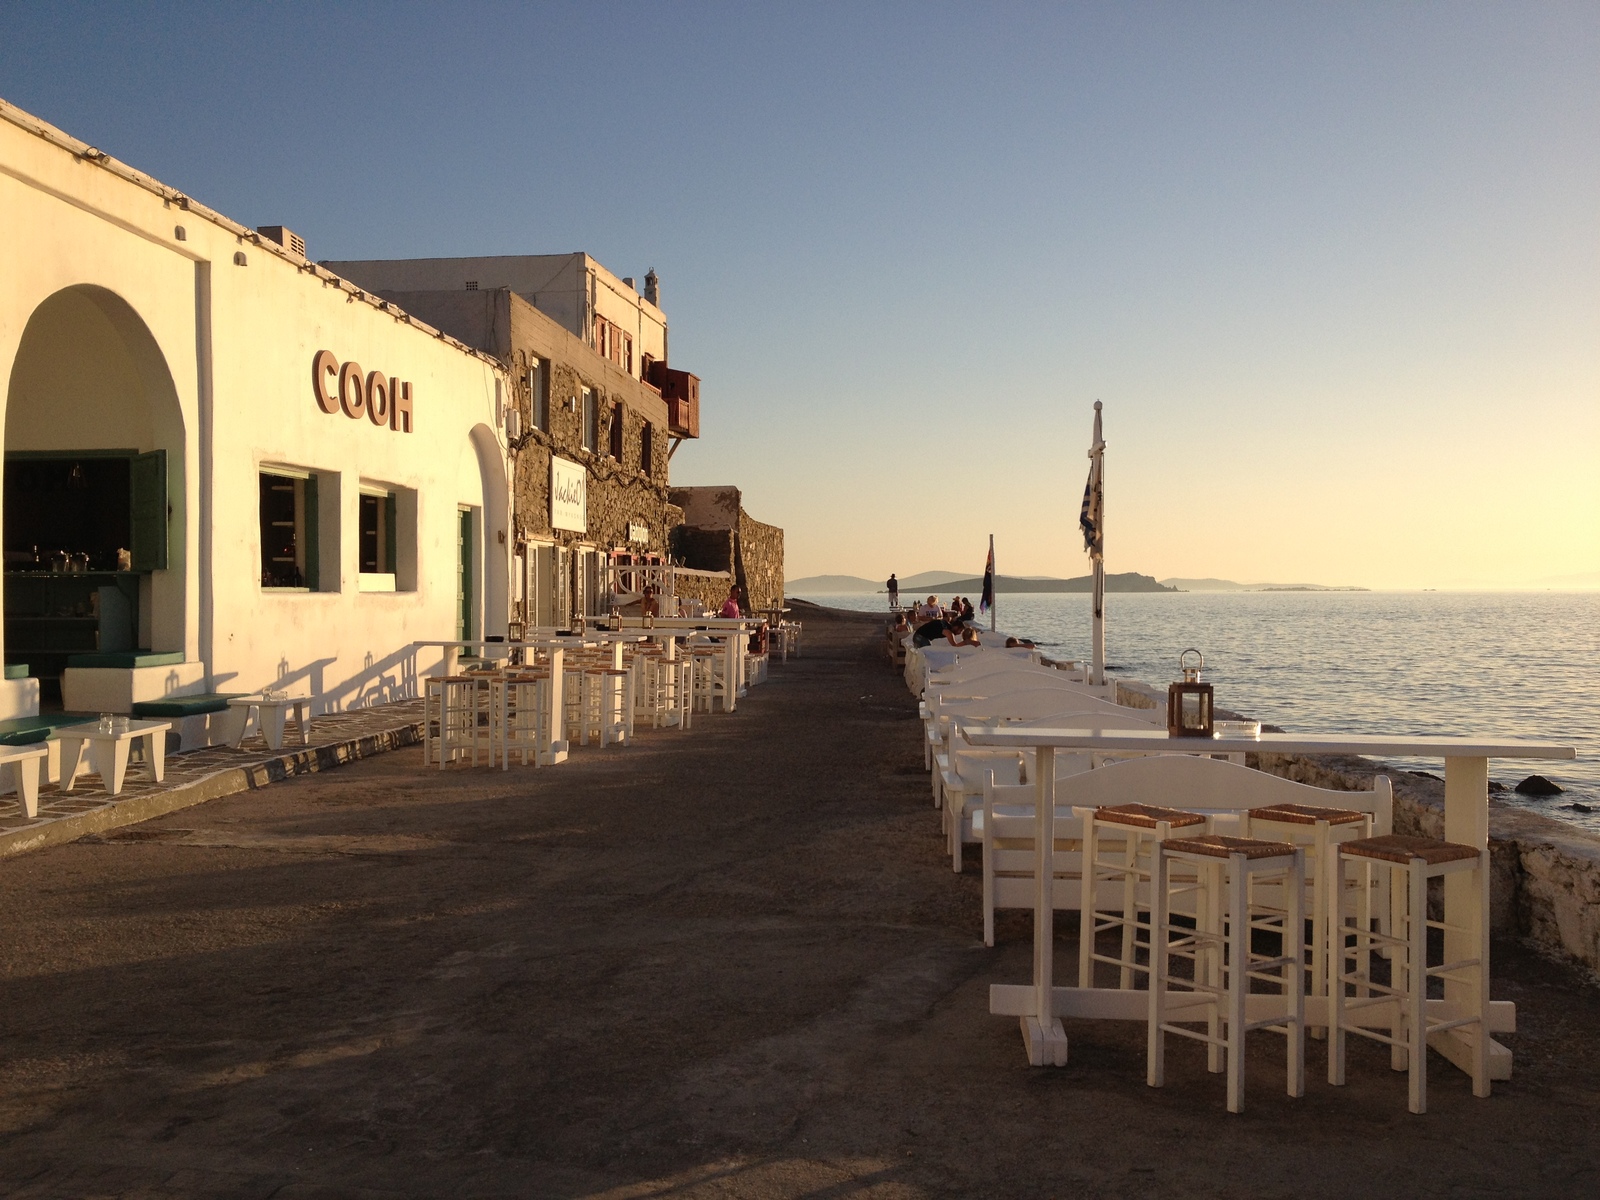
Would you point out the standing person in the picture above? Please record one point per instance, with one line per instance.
(730, 606)
(894, 591)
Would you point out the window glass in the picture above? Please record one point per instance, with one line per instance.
(647, 448)
(591, 419)
(617, 429)
(539, 386)
(288, 511)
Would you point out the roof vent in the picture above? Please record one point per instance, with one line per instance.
(472, 285)
(287, 238)
(628, 281)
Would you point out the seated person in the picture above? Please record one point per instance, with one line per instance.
(900, 624)
(966, 608)
(649, 605)
(1012, 643)
(928, 609)
(955, 631)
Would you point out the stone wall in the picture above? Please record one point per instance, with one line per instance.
(760, 562)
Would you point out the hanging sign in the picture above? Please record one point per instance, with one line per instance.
(638, 533)
(342, 387)
(569, 495)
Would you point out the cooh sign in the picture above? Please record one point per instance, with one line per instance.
(341, 387)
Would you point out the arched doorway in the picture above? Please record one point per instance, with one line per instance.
(495, 532)
(93, 488)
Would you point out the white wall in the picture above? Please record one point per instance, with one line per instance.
(238, 342)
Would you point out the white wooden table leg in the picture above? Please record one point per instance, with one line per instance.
(156, 753)
(730, 694)
(302, 720)
(71, 760)
(1042, 1031)
(28, 785)
(108, 758)
(556, 718)
(1466, 821)
(270, 718)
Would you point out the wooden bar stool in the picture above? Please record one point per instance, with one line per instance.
(521, 704)
(465, 719)
(1139, 827)
(1223, 958)
(1317, 831)
(1411, 862)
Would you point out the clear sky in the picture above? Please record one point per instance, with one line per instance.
(1333, 269)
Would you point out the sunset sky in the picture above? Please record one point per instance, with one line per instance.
(1334, 270)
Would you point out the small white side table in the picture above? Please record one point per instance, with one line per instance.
(24, 762)
(271, 717)
(108, 751)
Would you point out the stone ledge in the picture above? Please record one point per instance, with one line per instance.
(1545, 873)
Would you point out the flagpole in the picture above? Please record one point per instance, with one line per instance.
(1098, 453)
(994, 597)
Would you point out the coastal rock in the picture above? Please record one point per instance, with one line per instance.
(1538, 785)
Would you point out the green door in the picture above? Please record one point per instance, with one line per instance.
(464, 574)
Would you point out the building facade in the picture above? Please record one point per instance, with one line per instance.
(225, 467)
(597, 412)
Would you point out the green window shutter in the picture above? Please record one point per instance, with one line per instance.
(391, 542)
(313, 541)
(147, 476)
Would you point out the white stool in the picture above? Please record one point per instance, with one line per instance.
(1140, 827)
(1412, 862)
(1219, 948)
(521, 708)
(1318, 831)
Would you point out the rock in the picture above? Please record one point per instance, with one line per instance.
(1538, 785)
(1496, 786)
(1574, 806)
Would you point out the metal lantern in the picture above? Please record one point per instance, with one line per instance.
(1189, 702)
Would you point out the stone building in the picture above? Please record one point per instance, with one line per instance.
(718, 535)
(595, 411)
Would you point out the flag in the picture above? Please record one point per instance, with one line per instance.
(1089, 515)
(986, 601)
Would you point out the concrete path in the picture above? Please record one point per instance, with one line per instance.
(728, 962)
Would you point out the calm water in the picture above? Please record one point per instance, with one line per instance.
(1523, 664)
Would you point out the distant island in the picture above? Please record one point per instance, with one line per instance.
(949, 582)
(960, 584)
(1228, 585)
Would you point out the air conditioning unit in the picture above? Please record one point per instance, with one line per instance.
(287, 238)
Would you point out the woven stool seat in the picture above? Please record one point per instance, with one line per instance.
(1147, 816)
(1307, 814)
(1220, 846)
(1398, 848)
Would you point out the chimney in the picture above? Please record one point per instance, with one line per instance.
(652, 288)
(627, 281)
(287, 238)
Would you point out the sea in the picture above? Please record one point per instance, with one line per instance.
(1512, 664)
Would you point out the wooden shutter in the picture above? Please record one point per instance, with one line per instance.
(147, 475)
(390, 541)
(313, 548)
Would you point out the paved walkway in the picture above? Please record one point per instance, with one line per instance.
(725, 962)
(202, 775)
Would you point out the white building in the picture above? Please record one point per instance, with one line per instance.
(225, 467)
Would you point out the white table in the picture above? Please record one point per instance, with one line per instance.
(1040, 1005)
(733, 631)
(271, 717)
(108, 751)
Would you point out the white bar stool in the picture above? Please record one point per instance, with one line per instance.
(1138, 827)
(1412, 862)
(1223, 960)
(1318, 831)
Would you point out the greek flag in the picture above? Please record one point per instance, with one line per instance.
(1089, 514)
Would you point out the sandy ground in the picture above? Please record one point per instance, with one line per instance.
(731, 962)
